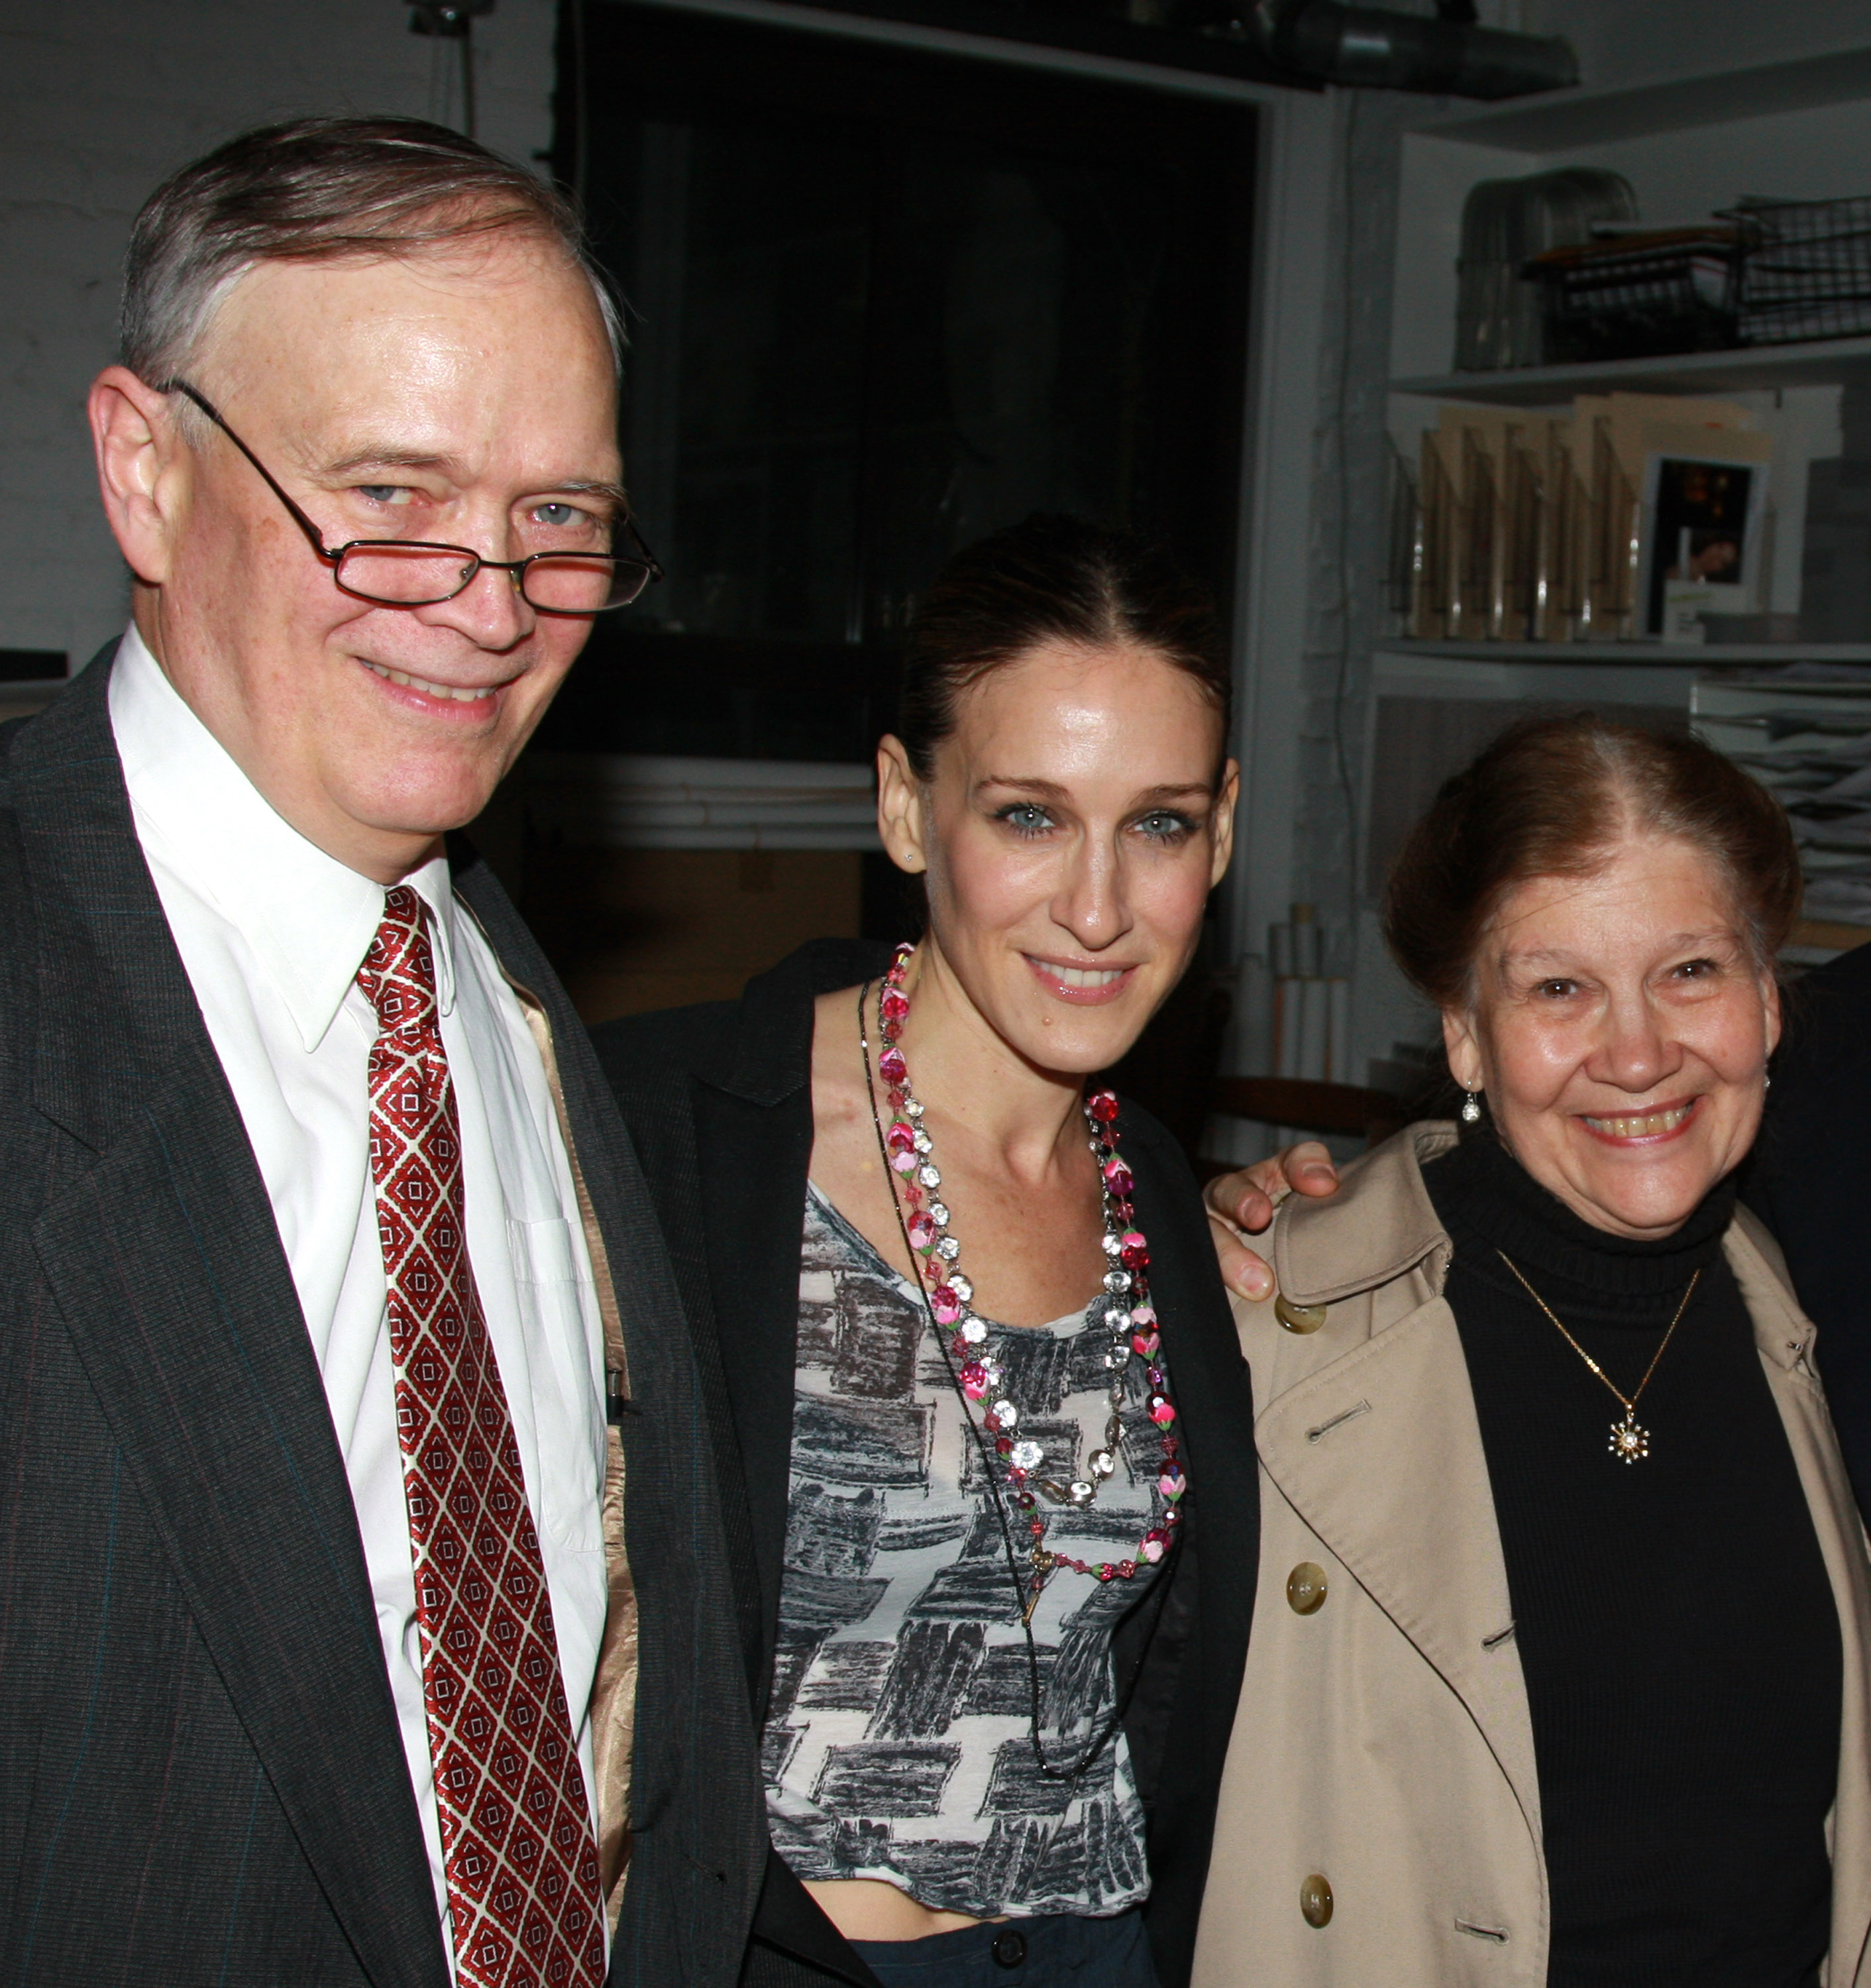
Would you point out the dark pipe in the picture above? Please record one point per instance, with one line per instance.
(1442, 57)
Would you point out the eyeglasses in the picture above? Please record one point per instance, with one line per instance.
(412, 572)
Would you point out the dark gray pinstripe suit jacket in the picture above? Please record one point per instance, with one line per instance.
(202, 1780)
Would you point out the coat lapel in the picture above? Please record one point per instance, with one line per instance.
(760, 1104)
(1785, 1337)
(161, 1250)
(757, 1214)
(1380, 1453)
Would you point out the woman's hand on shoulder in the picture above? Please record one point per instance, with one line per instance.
(1241, 1203)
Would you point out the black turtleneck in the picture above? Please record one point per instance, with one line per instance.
(1674, 1621)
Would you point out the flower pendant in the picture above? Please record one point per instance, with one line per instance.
(1630, 1442)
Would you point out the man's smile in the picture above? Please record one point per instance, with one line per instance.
(444, 693)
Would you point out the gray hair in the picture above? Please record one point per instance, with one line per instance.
(317, 189)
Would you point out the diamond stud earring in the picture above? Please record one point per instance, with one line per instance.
(1471, 1108)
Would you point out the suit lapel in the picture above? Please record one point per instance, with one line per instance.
(1380, 1454)
(695, 1801)
(164, 1260)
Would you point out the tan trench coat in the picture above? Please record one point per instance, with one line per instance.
(1383, 1747)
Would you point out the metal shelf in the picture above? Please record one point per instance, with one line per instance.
(1678, 655)
(1554, 120)
(1816, 362)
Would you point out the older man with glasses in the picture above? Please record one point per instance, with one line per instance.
(364, 1602)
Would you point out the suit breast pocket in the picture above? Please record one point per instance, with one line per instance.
(554, 1287)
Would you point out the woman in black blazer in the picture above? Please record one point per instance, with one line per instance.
(994, 1703)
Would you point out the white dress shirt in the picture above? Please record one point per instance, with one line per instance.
(273, 930)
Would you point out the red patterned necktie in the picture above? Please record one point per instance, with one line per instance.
(516, 1845)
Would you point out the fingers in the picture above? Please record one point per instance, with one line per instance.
(1241, 1270)
(1244, 1198)
(1307, 1168)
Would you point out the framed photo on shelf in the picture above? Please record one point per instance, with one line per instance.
(1703, 528)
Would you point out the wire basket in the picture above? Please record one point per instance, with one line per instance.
(1804, 270)
(1627, 299)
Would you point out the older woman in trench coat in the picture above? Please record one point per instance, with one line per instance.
(1524, 1704)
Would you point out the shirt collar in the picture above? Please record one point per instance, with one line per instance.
(307, 918)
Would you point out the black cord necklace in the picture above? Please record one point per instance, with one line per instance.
(996, 1491)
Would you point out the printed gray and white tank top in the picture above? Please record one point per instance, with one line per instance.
(898, 1744)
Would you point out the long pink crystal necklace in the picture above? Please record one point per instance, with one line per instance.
(907, 1151)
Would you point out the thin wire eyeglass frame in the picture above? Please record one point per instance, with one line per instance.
(644, 568)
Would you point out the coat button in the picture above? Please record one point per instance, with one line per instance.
(1315, 1900)
(1008, 1949)
(1298, 1317)
(1305, 1594)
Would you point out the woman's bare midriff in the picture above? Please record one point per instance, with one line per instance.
(868, 1908)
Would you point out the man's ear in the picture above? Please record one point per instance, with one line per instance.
(142, 469)
(900, 807)
(1464, 1048)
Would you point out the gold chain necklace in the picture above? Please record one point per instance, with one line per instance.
(1630, 1442)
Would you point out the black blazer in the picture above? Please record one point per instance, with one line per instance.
(719, 1101)
(201, 1776)
(1809, 1178)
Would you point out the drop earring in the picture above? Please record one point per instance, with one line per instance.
(1471, 1108)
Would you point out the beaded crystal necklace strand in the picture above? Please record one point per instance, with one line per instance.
(908, 1152)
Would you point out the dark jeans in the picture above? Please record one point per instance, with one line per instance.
(1059, 1951)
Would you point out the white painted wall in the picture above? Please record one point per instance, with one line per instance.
(97, 105)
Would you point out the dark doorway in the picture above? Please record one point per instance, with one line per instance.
(880, 302)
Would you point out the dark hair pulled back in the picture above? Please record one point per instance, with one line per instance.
(1551, 797)
(1052, 578)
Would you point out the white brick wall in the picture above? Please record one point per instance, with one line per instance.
(97, 102)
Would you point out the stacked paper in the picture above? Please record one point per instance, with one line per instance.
(1803, 731)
